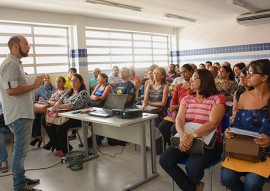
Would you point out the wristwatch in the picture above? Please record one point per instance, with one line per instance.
(194, 135)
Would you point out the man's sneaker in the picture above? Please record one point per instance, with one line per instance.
(29, 181)
(28, 188)
(4, 167)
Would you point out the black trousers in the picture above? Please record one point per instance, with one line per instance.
(58, 133)
(36, 130)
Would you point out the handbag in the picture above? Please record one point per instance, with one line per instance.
(244, 148)
(52, 118)
(197, 147)
(41, 108)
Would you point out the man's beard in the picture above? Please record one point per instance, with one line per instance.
(23, 54)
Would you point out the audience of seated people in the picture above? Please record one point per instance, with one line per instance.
(177, 69)
(195, 98)
(93, 82)
(73, 99)
(114, 78)
(156, 95)
(171, 75)
(206, 107)
(167, 127)
(101, 91)
(227, 87)
(44, 93)
(237, 70)
(253, 115)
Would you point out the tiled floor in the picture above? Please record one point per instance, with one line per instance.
(101, 174)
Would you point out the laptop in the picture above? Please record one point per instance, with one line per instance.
(113, 101)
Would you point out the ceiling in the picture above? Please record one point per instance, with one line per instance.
(153, 11)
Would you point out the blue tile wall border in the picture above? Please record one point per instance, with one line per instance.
(83, 64)
(224, 52)
(242, 57)
(81, 53)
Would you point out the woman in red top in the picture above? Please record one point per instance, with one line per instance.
(166, 127)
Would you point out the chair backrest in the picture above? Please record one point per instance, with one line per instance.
(225, 123)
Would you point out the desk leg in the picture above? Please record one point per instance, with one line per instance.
(86, 149)
(153, 147)
(154, 174)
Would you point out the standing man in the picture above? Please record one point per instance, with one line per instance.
(93, 82)
(18, 107)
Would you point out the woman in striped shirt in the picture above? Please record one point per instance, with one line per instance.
(206, 107)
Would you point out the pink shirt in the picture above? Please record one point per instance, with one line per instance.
(198, 112)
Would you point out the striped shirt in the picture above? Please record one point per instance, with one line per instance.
(199, 112)
(12, 75)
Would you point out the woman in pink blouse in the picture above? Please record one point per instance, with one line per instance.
(205, 107)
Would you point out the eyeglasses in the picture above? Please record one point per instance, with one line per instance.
(251, 74)
(193, 79)
(75, 80)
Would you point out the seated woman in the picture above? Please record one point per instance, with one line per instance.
(157, 95)
(73, 99)
(135, 82)
(182, 90)
(46, 90)
(206, 107)
(242, 88)
(254, 115)
(44, 96)
(101, 91)
(227, 87)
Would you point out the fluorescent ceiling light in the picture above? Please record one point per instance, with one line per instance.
(118, 5)
(179, 17)
(242, 5)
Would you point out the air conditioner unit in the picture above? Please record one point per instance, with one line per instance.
(262, 17)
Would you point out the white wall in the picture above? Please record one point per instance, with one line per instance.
(221, 34)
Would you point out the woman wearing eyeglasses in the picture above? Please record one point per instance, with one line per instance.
(73, 99)
(243, 87)
(254, 115)
(205, 107)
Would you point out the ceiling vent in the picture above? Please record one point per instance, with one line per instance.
(262, 17)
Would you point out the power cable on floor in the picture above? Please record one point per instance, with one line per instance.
(33, 169)
(112, 156)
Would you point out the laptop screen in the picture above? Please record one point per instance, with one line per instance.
(115, 101)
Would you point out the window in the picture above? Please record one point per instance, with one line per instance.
(49, 51)
(106, 48)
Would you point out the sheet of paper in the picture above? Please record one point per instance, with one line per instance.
(148, 108)
(245, 132)
(190, 126)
